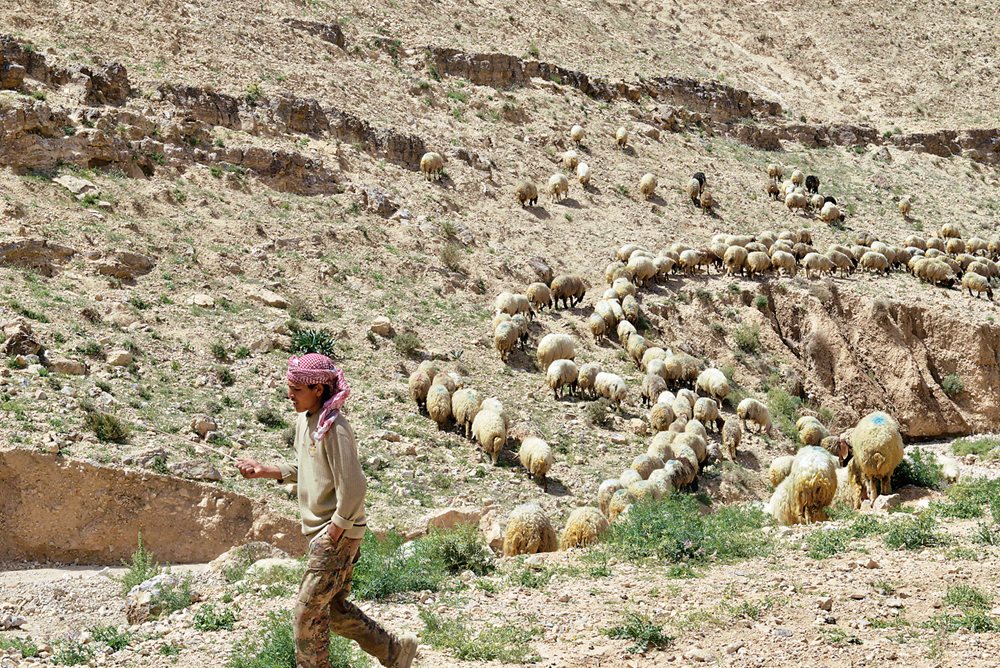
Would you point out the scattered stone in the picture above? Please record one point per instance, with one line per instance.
(825, 603)
(872, 564)
(202, 300)
(618, 438)
(267, 298)
(76, 185)
(67, 367)
(203, 425)
(783, 633)
(565, 598)
(382, 326)
(386, 435)
(541, 268)
(638, 426)
(119, 358)
(648, 131)
(244, 554)
(894, 603)
(125, 266)
(261, 567)
(10, 622)
(884, 503)
(146, 457)
(733, 648)
(451, 517)
(196, 470)
(143, 600)
(378, 201)
(858, 595)
(699, 655)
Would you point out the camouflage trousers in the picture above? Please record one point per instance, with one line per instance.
(322, 607)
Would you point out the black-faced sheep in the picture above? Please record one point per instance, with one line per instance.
(812, 183)
(527, 193)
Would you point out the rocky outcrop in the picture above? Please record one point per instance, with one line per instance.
(895, 361)
(328, 32)
(38, 255)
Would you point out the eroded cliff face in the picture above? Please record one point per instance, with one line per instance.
(55, 509)
(861, 353)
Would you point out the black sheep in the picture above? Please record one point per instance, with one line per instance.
(812, 183)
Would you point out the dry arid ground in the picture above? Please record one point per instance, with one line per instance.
(192, 191)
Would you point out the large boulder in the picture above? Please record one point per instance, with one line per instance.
(148, 601)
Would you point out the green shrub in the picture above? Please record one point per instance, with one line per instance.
(747, 338)
(108, 428)
(460, 549)
(912, 533)
(784, 409)
(407, 343)
(986, 535)
(171, 597)
(451, 257)
(599, 413)
(72, 653)
(25, 646)
(507, 643)
(111, 636)
(142, 567)
(274, 647)
(967, 499)
(208, 618)
(952, 385)
(641, 630)
(225, 375)
(314, 341)
(760, 302)
(973, 606)
(271, 418)
(169, 649)
(383, 570)
(825, 542)
(974, 446)
(674, 529)
(219, 351)
(242, 352)
(921, 468)
(300, 309)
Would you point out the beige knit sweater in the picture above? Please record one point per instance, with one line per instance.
(330, 481)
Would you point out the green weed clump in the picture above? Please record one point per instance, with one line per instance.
(912, 533)
(983, 447)
(968, 499)
(675, 530)
(823, 543)
(142, 567)
(642, 631)
(25, 646)
(111, 636)
(507, 643)
(972, 608)
(274, 647)
(921, 468)
(209, 618)
(784, 410)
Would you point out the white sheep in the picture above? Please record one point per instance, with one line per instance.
(647, 185)
(731, 437)
(597, 326)
(645, 464)
(576, 133)
(707, 412)
(539, 295)
(569, 289)
(779, 469)
(612, 387)
(554, 347)
(570, 159)
(972, 281)
(878, 449)
(587, 377)
(584, 527)
(510, 303)
(621, 137)
(660, 417)
(505, 337)
(904, 206)
(490, 430)
(583, 174)
(536, 456)
(528, 531)
(464, 406)
(527, 193)
(439, 404)
(432, 166)
(807, 490)
(561, 373)
(605, 491)
(419, 383)
(651, 387)
(558, 187)
(713, 383)
(755, 412)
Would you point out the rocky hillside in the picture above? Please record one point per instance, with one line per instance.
(190, 192)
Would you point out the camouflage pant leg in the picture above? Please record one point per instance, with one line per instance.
(322, 599)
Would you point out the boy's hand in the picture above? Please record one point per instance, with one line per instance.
(250, 468)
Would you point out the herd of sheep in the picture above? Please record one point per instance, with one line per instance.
(683, 396)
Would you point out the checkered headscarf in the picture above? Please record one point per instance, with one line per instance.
(316, 369)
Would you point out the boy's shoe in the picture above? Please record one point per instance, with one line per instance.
(407, 651)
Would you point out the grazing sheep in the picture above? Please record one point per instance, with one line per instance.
(586, 377)
(612, 387)
(878, 449)
(576, 133)
(660, 417)
(904, 206)
(954, 246)
(830, 213)
(713, 383)
(598, 328)
(615, 270)
(619, 505)
(584, 527)
(629, 476)
(646, 464)
(659, 446)
(511, 304)
(539, 296)
(874, 262)
(490, 430)
(622, 288)
(439, 404)
(570, 159)
(783, 263)
(644, 490)
(569, 289)
(621, 137)
(735, 259)
(775, 171)
(707, 412)
(798, 177)
(651, 355)
(583, 174)
(432, 166)
(643, 269)
(636, 347)
(527, 193)
(811, 431)
(520, 324)
(807, 490)
(693, 189)
(652, 385)
(731, 437)
(536, 456)
(794, 200)
(554, 347)
(773, 190)
(814, 262)
(605, 491)
(974, 282)
(755, 412)
(493, 404)
(505, 337)
(625, 330)
(528, 532)
(558, 186)
(706, 202)
(666, 398)
(836, 446)
(950, 231)
(696, 427)
(689, 395)
(779, 469)
(663, 479)
(561, 373)
(840, 261)
(812, 184)
(647, 185)
(696, 442)
(934, 271)
(464, 406)
(419, 384)
(757, 263)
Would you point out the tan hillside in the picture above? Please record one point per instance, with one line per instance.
(190, 190)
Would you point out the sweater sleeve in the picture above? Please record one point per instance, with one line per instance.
(348, 478)
(290, 471)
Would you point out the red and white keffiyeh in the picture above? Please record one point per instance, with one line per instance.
(316, 369)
